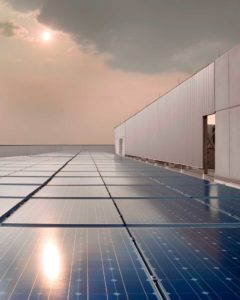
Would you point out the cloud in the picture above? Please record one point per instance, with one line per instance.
(145, 36)
(12, 30)
(9, 29)
(26, 5)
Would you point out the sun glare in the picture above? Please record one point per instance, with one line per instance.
(51, 261)
(46, 36)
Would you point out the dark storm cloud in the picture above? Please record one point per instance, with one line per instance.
(8, 29)
(146, 36)
(26, 5)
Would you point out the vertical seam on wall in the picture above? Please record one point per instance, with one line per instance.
(214, 88)
(229, 131)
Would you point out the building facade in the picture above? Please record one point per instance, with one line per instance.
(173, 128)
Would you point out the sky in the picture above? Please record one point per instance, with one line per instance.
(71, 70)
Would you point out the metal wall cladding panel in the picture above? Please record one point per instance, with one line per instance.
(222, 144)
(221, 82)
(170, 129)
(142, 133)
(234, 142)
(234, 76)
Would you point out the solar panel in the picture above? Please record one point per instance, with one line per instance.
(72, 192)
(194, 263)
(202, 190)
(16, 190)
(66, 211)
(76, 181)
(80, 168)
(129, 181)
(22, 180)
(130, 191)
(160, 211)
(7, 204)
(163, 232)
(122, 174)
(71, 264)
(228, 205)
(34, 173)
(77, 174)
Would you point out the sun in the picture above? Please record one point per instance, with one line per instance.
(47, 36)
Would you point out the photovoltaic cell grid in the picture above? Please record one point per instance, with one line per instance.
(160, 213)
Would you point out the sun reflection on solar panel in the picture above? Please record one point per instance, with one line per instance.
(51, 261)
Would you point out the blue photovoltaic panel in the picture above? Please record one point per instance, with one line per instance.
(72, 192)
(159, 211)
(43, 168)
(71, 264)
(22, 180)
(80, 168)
(179, 179)
(66, 211)
(76, 181)
(229, 205)
(33, 173)
(130, 191)
(77, 174)
(202, 190)
(16, 190)
(129, 181)
(123, 174)
(162, 208)
(7, 204)
(194, 263)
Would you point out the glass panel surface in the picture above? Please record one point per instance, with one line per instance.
(170, 211)
(194, 263)
(129, 181)
(7, 204)
(130, 191)
(44, 263)
(76, 181)
(16, 190)
(77, 174)
(22, 180)
(72, 191)
(66, 211)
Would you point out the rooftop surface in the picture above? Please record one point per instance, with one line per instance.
(94, 225)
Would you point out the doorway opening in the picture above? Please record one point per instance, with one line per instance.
(120, 147)
(209, 124)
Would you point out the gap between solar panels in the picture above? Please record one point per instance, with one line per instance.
(109, 225)
(159, 288)
(25, 199)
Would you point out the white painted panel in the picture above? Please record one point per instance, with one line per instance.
(221, 83)
(235, 143)
(234, 76)
(222, 144)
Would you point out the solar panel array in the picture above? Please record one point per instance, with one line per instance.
(98, 226)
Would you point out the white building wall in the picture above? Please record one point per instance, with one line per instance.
(227, 101)
(170, 129)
